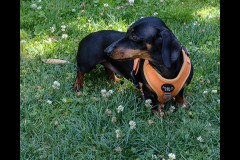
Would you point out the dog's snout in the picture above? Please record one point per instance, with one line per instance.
(108, 50)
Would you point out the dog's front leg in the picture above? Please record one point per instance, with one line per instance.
(158, 110)
(179, 99)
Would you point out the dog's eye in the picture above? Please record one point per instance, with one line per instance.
(133, 37)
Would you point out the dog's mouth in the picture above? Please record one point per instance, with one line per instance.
(122, 59)
(127, 54)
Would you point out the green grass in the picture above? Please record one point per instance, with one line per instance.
(75, 127)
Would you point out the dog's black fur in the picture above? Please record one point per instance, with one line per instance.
(91, 52)
(149, 38)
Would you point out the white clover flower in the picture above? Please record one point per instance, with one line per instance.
(214, 91)
(56, 123)
(150, 122)
(210, 17)
(172, 108)
(110, 26)
(105, 5)
(120, 109)
(118, 133)
(118, 149)
(39, 0)
(148, 103)
(73, 10)
(108, 111)
(154, 156)
(110, 91)
(49, 102)
(34, 6)
(171, 156)
(200, 139)
(132, 124)
(114, 119)
(23, 41)
(103, 91)
(64, 36)
(155, 13)
(161, 0)
(64, 100)
(56, 85)
(106, 93)
(52, 29)
(131, 1)
(39, 7)
(190, 43)
(205, 92)
(63, 27)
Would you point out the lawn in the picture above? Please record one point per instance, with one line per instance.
(56, 123)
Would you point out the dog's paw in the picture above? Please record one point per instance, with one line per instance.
(116, 79)
(158, 110)
(184, 104)
(77, 87)
(181, 102)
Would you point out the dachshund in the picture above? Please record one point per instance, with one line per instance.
(91, 53)
(164, 64)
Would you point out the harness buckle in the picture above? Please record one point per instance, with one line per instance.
(167, 96)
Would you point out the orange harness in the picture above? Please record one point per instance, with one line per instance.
(165, 88)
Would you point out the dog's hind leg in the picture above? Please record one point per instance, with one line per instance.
(78, 85)
(110, 72)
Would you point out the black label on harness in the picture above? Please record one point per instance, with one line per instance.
(167, 88)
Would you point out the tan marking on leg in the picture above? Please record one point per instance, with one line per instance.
(78, 85)
(111, 75)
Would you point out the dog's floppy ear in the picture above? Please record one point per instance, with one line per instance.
(171, 48)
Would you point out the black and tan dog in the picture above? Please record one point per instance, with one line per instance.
(91, 53)
(164, 64)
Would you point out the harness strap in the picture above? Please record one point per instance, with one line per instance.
(136, 65)
(135, 71)
(160, 84)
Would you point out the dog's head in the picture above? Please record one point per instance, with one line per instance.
(148, 38)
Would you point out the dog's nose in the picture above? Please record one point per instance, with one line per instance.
(108, 50)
